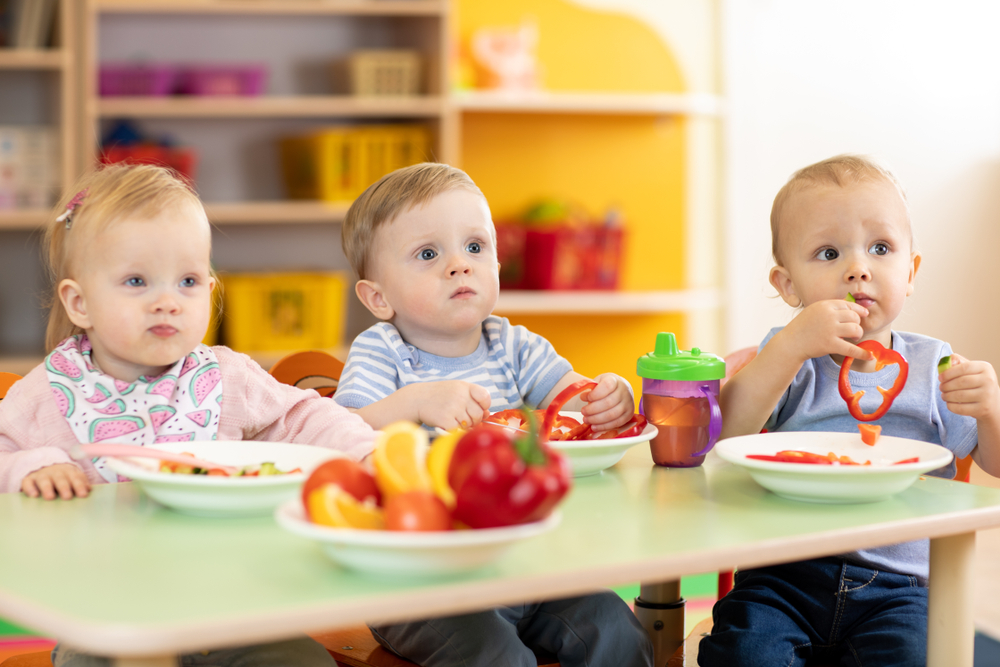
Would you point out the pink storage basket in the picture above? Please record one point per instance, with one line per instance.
(141, 80)
(244, 80)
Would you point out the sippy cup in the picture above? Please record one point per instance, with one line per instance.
(679, 395)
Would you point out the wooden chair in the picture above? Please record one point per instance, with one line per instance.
(312, 369)
(7, 380)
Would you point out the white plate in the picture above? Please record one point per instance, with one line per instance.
(391, 552)
(589, 457)
(226, 496)
(834, 484)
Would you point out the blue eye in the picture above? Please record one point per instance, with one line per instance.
(879, 249)
(189, 282)
(427, 254)
(135, 281)
(474, 247)
(827, 254)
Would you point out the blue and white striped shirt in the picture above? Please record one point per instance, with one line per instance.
(516, 366)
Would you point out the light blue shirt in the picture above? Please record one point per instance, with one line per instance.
(516, 366)
(813, 403)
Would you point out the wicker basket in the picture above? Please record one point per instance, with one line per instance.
(384, 72)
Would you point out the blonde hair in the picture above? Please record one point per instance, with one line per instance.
(105, 196)
(391, 195)
(840, 170)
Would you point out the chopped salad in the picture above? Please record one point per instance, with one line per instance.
(264, 469)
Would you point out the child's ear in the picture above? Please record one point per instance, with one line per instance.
(782, 281)
(914, 267)
(71, 296)
(371, 295)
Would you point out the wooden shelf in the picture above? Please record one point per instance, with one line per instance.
(32, 59)
(308, 7)
(28, 218)
(19, 365)
(638, 104)
(305, 106)
(265, 212)
(606, 302)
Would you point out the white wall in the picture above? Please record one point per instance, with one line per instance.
(914, 83)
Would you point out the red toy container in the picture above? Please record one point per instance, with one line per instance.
(572, 258)
(510, 254)
(181, 160)
(140, 80)
(207, 80)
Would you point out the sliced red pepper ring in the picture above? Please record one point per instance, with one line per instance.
(799, 456)
(883, 357)
(560, 400)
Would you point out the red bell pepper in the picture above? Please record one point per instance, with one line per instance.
(503, 477)
(560, 400)
(883, 357)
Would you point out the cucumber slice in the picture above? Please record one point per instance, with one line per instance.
(944, 364)
(850, 297)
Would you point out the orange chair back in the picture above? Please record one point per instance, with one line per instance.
(312, 369)
(7, 380)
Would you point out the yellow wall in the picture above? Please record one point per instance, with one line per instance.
(632, 163)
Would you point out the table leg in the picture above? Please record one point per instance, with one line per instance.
(950, 625)
(161, 661)
(660, 609)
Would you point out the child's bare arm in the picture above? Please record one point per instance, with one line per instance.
(970, 388)
(606, 406)
(62, 479)
(822, 328)
(446, 404)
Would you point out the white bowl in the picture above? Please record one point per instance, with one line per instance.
(589, 457)
(834, 483)
(391, 552)
(213, 496)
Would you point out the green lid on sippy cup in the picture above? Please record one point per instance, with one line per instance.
(666, 362)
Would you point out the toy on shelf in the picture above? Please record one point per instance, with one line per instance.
(29, 166)
(555, 247)
(162, 79)
(266, 312)
(338, 163)
(384, 72)
(505, 57)
(126, 143)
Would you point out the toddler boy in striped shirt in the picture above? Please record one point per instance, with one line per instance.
(423, 244)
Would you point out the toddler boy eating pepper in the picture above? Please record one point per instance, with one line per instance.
(423, 244)
(842, 227)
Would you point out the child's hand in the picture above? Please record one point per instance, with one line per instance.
(452, 403)
(609, 404)
(821, 329)
(64, 479)
(970, 388)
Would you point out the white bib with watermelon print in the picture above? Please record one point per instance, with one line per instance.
(180, 405)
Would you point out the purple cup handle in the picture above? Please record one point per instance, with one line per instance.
(714, 425)
(640, 407)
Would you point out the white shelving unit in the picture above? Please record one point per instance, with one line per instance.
(639, 104)
(525, 302)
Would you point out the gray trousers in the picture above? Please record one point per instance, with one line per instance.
(592, 631)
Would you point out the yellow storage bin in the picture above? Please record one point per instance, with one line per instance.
(337, 164)
(284, 311)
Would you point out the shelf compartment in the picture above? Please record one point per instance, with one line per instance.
(309, 7)
(606, 302)
(32, 59)
(269, 212)
(28, 218)
(311, 106)
(625, 104)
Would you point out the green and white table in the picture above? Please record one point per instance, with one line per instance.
(115, 574)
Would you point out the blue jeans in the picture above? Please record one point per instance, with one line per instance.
(823, 610)
(593, 630)
(303, 652)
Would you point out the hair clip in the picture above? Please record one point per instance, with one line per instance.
(75, 202)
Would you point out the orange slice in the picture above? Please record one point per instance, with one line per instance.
(401, 460)
(438, 460)
(330, 505)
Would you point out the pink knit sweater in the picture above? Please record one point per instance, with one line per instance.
(255, 406)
